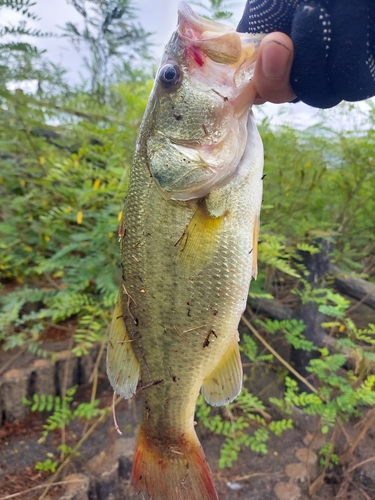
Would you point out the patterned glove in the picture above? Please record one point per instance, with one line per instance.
(334, 43)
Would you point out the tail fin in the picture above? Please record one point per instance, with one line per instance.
(178, 472)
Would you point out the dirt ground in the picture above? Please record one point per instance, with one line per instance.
(290, 471)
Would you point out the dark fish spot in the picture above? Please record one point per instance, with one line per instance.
(177, 116)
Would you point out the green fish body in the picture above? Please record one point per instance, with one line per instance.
(188, 251)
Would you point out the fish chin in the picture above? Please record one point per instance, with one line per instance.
(185, 173)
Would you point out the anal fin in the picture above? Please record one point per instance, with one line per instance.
(225, 382)
(122, 364)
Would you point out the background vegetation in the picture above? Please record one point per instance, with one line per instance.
(65, 155)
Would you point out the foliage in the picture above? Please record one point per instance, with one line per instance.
(110, 35)
(218, 10)
(322, 180)
(12, 33)
(328, 457)
(245, 412)
(48, 465)
(293, 331)
(61, 246)
(61, 416)
(60, 409)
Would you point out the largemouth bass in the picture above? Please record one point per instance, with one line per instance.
(188, 251)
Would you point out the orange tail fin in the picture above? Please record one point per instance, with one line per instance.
(175, 472)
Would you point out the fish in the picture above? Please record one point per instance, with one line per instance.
(189, 236)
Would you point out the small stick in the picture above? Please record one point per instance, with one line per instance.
(179, 334)
(114, 413)
(280, 358)
(195, 328)
(39, 486)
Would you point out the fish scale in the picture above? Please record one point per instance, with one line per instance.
(188, 252)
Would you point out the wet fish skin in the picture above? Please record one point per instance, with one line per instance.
(188, 251)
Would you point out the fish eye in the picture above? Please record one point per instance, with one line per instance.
(169, 75)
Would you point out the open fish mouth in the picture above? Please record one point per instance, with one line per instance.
(221, 43)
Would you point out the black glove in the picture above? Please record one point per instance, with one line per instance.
(334, 44)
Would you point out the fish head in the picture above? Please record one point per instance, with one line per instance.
(198, 110)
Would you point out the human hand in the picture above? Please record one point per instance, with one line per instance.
(334, 46)
(272, 69)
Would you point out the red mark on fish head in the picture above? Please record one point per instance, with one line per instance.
(195, 53)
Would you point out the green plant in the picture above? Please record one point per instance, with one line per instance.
(245, 412)
(110, 34)
(48, 465)
(61, 410)
(328, 457)
(217, 9)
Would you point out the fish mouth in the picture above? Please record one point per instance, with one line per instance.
(220, 43)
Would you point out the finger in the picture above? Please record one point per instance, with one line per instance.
(272, 70)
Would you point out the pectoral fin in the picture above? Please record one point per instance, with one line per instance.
(122, 364)
(225, 382)
(199, 241)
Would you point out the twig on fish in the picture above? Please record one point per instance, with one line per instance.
(128, 302)
(220, 95)
(177, 452)
(150, 384)
(114, 413)
(179, 334)
(180, 238)
(195, 328)
(135, 258)
(130, 298)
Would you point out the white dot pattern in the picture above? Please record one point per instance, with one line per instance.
(266, 16)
